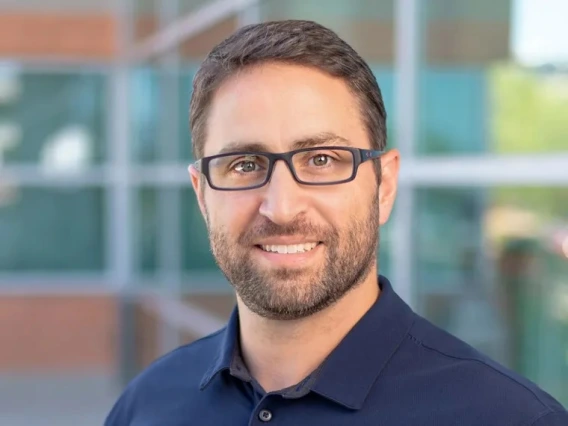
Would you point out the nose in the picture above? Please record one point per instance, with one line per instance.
(283, 199)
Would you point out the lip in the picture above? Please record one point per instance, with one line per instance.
(289, 260)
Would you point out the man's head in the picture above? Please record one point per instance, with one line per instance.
(288, 248)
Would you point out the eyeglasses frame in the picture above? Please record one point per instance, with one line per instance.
(360, 155)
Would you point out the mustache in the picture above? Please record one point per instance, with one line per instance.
(268, 229)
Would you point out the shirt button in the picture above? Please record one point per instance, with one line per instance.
(265, 415)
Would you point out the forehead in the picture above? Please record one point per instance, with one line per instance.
(277, 104)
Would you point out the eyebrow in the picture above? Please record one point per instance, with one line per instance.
(324, 138)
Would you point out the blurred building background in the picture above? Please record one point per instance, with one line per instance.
(104, 257)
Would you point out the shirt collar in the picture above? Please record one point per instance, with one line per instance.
(228, 344)
(348, 373)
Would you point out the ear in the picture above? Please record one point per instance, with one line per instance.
(198, 184)
(390, 165)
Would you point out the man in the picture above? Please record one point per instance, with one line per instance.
(294, 182)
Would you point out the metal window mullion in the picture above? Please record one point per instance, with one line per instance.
(407, 55)
(35, 175)
(120, 213)
(169, 198)
(119, 206)
(489, 170)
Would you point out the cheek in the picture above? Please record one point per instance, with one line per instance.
(339, 205)
(352, 202)
(230, 212)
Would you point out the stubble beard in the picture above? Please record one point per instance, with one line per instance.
(290, 294)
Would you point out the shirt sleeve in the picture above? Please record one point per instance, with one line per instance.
(552, 418)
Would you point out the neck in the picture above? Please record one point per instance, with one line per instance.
(280, 354)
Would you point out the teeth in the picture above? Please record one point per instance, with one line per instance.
(293, 248)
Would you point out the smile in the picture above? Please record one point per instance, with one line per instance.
(289, 249)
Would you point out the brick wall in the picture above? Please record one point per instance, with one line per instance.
(47, 333)
(80, 36)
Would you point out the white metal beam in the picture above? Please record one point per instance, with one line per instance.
(120, 196)
(35, 175)
(512, 170)
(186, 27)
(183, 316)
(119, 211)
(169, 199)
(485, 170)
(407, 53)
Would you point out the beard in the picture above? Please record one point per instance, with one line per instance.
(294, 293)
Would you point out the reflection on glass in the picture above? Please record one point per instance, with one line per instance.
(491, 268)
(57, 120)
(51, 229)
(69, 150)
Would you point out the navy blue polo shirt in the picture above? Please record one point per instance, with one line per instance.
(393, 368)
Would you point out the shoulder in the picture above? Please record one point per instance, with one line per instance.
(186, 364)
(177, 373)
(490, 390)
(552, 418)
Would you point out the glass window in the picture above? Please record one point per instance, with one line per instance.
(144, 108)
(491, 78)
(185, 91)
(160, 115)
(196, 253)
(54, 120)
(51, 229)
(146, 231)
(492, 267)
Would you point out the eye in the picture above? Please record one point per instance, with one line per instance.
(246, 166)
(320, 160)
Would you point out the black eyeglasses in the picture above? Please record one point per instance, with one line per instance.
(326, 165)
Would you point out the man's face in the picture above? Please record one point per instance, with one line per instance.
(330, 232)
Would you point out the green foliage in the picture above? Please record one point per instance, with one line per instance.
(529, 111)
(530, 116)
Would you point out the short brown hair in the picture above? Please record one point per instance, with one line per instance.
(293, 42)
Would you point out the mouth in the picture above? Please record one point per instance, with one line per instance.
(289, 248)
